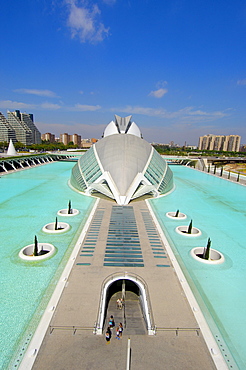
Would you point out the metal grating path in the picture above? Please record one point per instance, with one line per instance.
(123, 244)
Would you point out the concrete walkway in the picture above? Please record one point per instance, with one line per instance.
(79, 303)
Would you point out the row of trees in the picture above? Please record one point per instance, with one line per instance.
(44, 146)
(183, 151)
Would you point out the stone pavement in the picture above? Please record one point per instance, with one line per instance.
(79, 303)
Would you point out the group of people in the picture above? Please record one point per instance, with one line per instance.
(119, 330)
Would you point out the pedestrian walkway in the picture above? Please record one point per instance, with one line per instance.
(70, 342)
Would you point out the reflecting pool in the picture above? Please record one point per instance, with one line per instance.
(218, 208)
(30, 199)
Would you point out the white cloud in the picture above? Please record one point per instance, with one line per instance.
(184, 115)
(241, 82)
(158, 93)
(85, 108)
(9, 104)
(50, 106)
(84, 23)
(47, 93)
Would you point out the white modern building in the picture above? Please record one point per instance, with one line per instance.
(122, 165)
(25, 130)
(7, 132)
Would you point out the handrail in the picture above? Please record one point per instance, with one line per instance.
(74, 328)
(178, 329)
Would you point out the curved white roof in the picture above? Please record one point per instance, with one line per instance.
(123, 156)
(122, 165)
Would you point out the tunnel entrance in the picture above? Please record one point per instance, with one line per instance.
(135, 314)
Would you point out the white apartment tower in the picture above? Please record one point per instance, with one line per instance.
(225, 143)
(6, 131)
(25, 130)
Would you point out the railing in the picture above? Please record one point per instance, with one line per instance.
(74, 328)
(177, 330)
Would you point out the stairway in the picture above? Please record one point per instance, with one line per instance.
(133, 321)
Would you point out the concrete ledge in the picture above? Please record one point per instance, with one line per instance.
(215, 256)
(46, 250)
(64, 212)
(181, 216)
(50, 228)
(183, 230)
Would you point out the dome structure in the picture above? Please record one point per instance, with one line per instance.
(122, 165)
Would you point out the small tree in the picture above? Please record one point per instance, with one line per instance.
(206, 252)
(177, 213)
(35, 251)
(69, 208)
(56, 224)
(190, 228)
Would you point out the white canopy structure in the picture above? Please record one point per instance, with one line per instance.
(122, 165)
(11, 149)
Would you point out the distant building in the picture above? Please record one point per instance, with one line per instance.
(25, 130)
(87, 143)
(48, 137)
(66, 138)
(6, 131)
(76, 139)
(225, 143)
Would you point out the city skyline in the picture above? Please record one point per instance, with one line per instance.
(178, 68)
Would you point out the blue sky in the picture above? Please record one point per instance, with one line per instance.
(177, 66)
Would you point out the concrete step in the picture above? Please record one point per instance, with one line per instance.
(130, 316)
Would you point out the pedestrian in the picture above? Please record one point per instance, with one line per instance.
(108, 335)
(111, 322)
(118, 303)
(117, 333)
(120, 329)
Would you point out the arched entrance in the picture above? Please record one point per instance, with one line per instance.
(134, 292)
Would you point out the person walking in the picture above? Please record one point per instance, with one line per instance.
(120, 330)
(108, 335)
(117, 333)
(111, 322)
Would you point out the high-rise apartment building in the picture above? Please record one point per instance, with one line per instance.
(6, 131)
(48, 137)
(66, 138)
(25, 130)
(76, 139)
(28, 119)
(225, 143)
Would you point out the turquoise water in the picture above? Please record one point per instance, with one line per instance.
(218, 208)
(30, 199)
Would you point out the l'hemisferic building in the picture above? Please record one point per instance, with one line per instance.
(122, 165)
